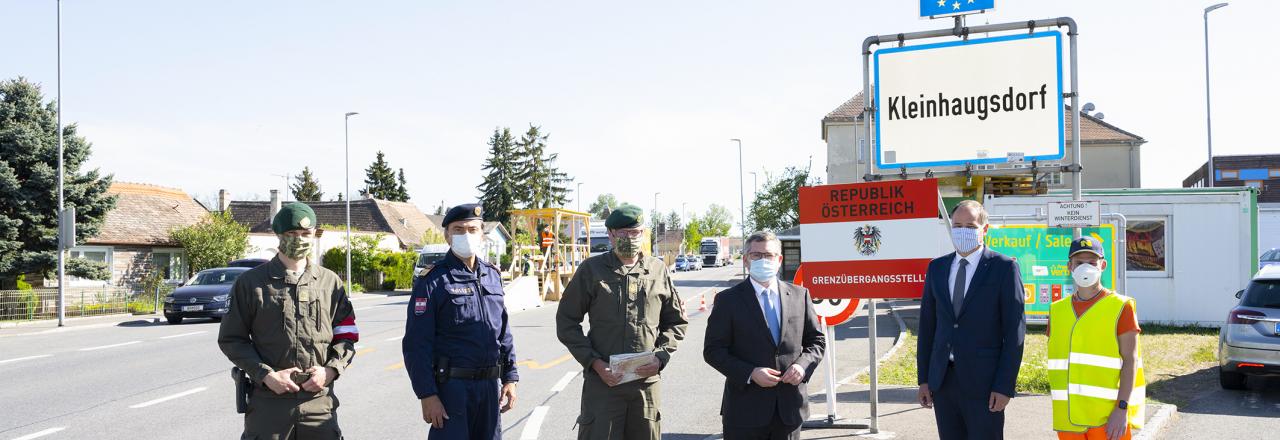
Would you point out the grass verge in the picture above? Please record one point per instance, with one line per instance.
(1175, 359)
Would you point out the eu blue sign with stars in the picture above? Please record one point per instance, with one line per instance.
(947, 8)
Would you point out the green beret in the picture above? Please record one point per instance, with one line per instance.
(626, 216)
(293, 216)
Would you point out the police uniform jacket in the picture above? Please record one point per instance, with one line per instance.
(458, 314)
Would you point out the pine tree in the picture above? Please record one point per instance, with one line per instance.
(545, 185)
(306, 189)
(500, 188)
(402, 191)
(380, 180)
(29, 184)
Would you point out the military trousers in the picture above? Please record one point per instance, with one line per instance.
(472, 406)
(283, 418)
(626, 412)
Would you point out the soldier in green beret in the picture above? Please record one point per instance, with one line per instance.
(633, 308)
(292, 330)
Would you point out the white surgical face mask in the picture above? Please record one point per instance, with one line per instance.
(966, 239)
(466, 245)
(1086, 275)
(764, 269)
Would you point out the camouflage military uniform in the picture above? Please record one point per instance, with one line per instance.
(632, 309)
(278, 321)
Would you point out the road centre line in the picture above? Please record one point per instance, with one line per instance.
(41, 433)
(100, 347)
(564, 381)
(534, 423)
(397, 338)
(27, 358)
(168, 398)
(181, 335)
(537, 366)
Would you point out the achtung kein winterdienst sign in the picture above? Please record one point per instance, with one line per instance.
(976, 101)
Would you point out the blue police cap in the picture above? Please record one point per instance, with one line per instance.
(470, 211)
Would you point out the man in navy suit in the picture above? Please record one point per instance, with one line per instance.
(971, 332)
(764, 337)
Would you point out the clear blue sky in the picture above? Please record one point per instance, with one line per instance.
(639, 98)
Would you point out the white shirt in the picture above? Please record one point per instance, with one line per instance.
(773, 298)
(969, 270)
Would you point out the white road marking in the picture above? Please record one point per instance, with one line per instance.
(168, 398)
(534, 424)
(25, 358)
(100, 347)
(397, 338)
(359, 346)
(40, 434)
(364, 297)
(374, 306)
(181, 335)
(564, 381)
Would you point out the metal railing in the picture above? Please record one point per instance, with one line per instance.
(38, 304)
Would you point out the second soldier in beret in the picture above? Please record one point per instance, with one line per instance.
(292, 330)
(457, 345)
(633, 307)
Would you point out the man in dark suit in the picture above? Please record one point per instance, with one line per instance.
(971, 332)
(764, 337)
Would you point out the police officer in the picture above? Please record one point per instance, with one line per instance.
(633, 308)
(457, 344)
(291, 328)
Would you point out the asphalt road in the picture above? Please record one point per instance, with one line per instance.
(1228, 414)
(130, 378)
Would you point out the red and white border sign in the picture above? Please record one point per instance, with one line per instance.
(868, 240)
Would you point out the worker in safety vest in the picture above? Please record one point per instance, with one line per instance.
(1095, 363)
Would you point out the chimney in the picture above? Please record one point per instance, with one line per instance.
(275, 205)
(223, 203)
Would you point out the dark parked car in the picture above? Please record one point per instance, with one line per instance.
(248, 262)
(205, 295)
(1269, 258)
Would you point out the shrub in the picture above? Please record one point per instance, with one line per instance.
(22, 283)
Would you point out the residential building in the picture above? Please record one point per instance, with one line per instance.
(1261, 171)
(402, 225)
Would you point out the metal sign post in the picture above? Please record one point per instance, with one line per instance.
(874, 371)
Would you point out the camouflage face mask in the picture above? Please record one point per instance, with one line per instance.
(627, 247)
(295, 247)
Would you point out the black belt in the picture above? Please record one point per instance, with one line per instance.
(475, 373)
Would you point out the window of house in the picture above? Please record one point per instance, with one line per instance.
(99, 254)
(1254, 184)
(1275, 172)
(1230, 174)
(1146, 248)
(986, 166)
(171, 263)
(1054, 178)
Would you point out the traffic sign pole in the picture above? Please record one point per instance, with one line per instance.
(831, 371)
(875, 369)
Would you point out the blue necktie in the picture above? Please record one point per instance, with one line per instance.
(770, 316)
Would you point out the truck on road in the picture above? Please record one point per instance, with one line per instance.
(714, 251)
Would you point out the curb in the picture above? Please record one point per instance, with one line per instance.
(1157, 422)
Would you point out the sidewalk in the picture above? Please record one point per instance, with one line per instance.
(1028, 416)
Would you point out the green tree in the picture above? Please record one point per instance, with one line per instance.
(402, 188)
(544, 185)
(433, 236)
(717, 222)
(604, 204)
(213, 242)
(306, 189)
(673, 221)
(777, 206)
(29, 186)
(500, 189)
(380, 181)
(693, 234)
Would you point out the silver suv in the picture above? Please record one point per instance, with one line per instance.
(1249, 343)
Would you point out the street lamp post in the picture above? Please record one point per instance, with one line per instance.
(742, 204)
(579, 197)
(657, 217)
(1208, 119)
(62, 268)
(346, 168)
(755, 185)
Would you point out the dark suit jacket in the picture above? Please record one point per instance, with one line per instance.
(987, 336)
(738, 341)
